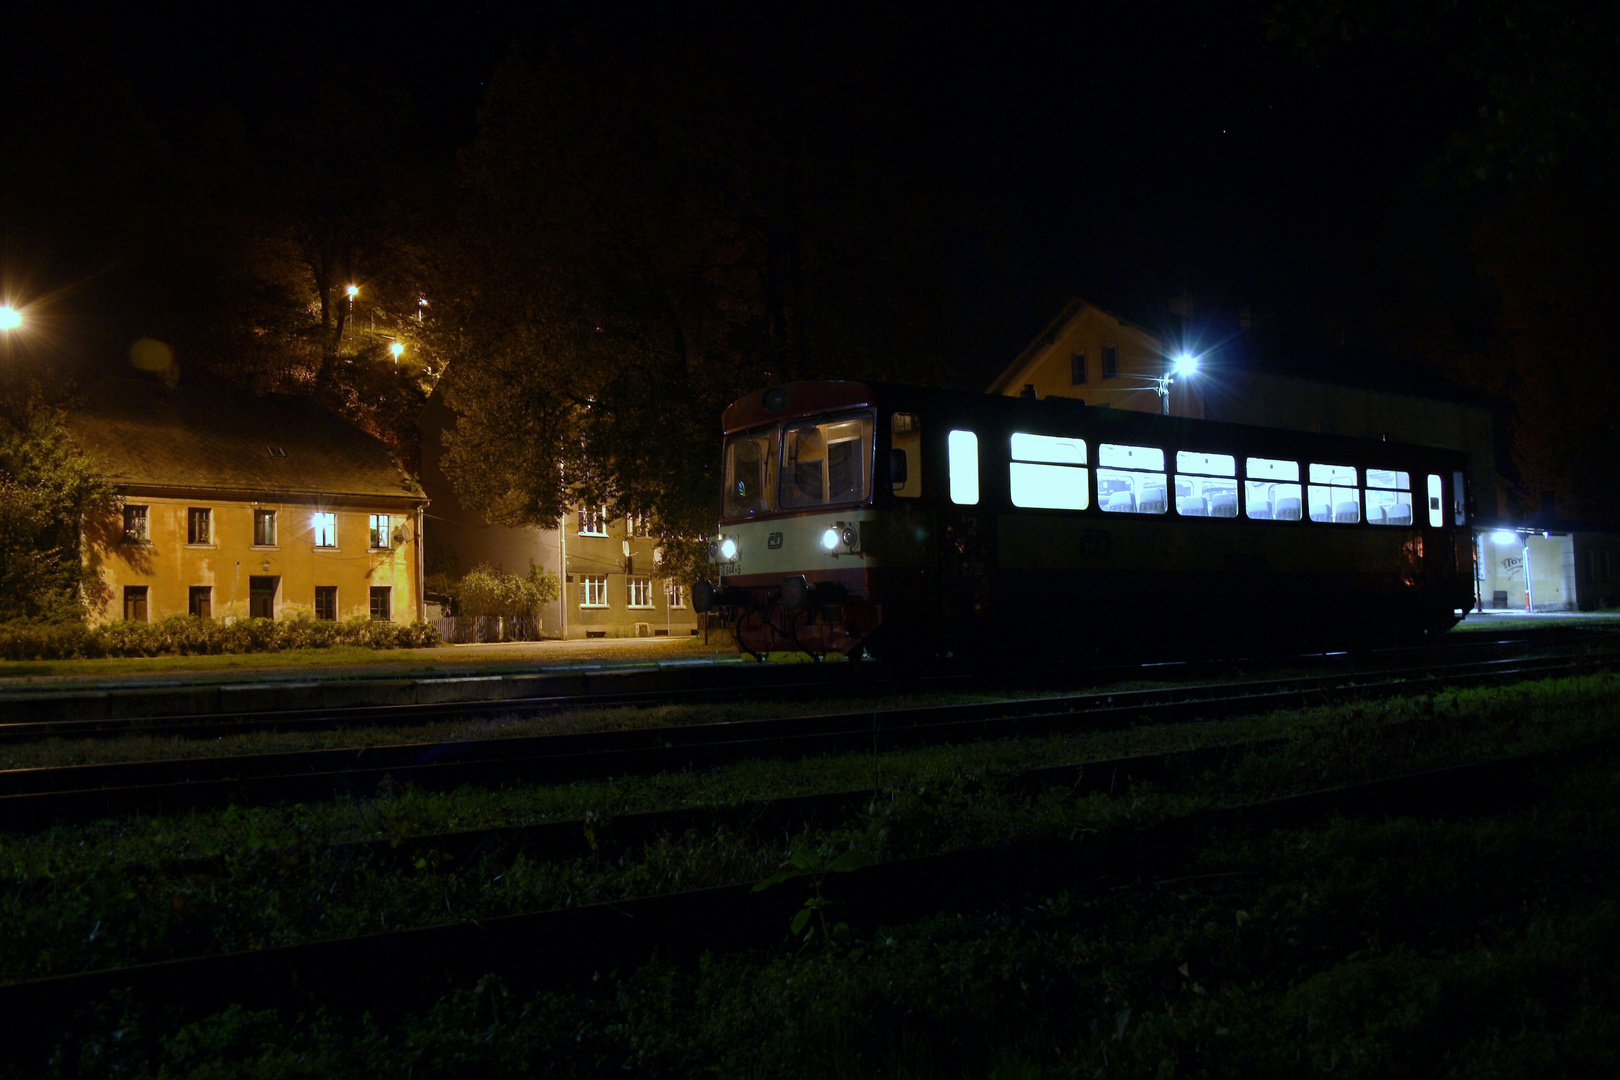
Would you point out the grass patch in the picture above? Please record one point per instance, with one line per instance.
(1475, 948)
(106, 894)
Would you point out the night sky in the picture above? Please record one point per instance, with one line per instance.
(1130, 153)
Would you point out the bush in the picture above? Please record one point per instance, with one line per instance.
(186, 635)
(487, 591)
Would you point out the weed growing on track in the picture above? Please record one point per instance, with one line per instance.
(1402, 948)
(121, 892)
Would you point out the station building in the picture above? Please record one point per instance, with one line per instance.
(238, 505)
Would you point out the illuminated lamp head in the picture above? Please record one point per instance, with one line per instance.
(1505, 537)
(1184, 365)
(728, 548)
(10, 317)
(830, 538)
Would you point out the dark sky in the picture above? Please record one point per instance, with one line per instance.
(1132, 151)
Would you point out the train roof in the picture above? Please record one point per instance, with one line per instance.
(1055, 415)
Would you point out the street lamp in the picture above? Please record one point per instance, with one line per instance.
(10, 317)
(398, 349)
(1184, 365)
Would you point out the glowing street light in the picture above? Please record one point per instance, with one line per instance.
(398, 349)
(1184, 365)
(10, 317)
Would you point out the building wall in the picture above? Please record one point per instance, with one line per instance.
(169, 565)
(1050, 367)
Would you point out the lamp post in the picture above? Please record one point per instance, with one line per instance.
(352, 290)
(1184, 365)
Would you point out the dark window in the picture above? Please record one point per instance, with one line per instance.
(264, 528)
(201, 602)
(1110, 361)
(326, 602)
(1077, 369)
(381, 602)
(135, 525)
(262, 597)
(199, 521)
(135, 603)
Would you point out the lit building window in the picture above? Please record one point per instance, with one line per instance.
(592, 521)
(674, 594)
(325, 528)
(379, 532)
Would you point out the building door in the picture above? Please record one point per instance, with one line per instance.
(262, 597)
(202, 601)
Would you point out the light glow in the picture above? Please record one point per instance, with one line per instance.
(829, 539)
(397, 349)
(1505, 538)
(1184, 365)
(728, 548)
(10, 317)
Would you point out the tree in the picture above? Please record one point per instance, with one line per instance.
(1536, 156)
(650, 231)
(48, 487)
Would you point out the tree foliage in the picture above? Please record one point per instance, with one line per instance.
(650, 232)
(47, 488)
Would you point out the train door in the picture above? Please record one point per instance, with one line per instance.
(966, 534)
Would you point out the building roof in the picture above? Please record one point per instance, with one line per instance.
(151, 435)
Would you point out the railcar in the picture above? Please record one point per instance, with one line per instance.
(913, 522)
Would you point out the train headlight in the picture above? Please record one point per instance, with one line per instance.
(728, 548)
(830, 538)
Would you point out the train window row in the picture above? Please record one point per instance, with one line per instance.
(1054, 473)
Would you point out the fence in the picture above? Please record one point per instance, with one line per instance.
(462, 629)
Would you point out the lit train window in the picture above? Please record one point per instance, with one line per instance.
(825, 463)
(1049, 472)
(1388, 497)
(751, 472)
(905, 455)
(1206, 484)
(1333, 495)
(962, 452)
(1130, 479)
(1271, 490)
(1436, 508)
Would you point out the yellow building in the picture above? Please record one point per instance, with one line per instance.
(1096, 357)
(239, 505)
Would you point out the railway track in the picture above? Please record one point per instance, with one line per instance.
(210, 711)
(32, 799)
(561, 947)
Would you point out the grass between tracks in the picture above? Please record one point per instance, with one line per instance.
(1357, 948)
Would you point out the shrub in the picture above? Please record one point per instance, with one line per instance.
(186, 635)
